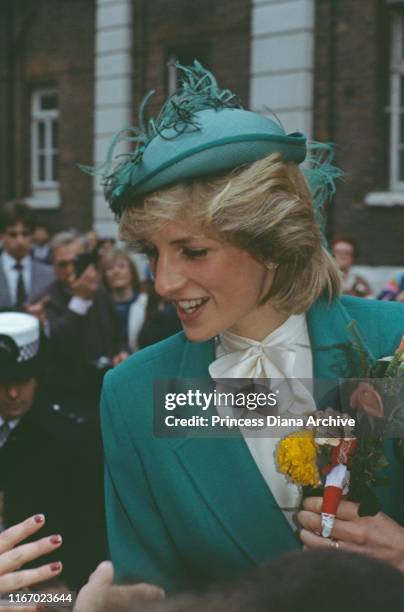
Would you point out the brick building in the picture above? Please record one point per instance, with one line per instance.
(359, 55)
(46, 106)
(72, 72)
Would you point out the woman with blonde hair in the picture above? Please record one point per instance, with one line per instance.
(215, 197)
(122, 281)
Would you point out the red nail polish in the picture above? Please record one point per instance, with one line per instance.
(39, 518)
(56, 566)
(56, 539)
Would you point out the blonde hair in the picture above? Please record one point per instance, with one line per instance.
(109, 260)
(265, 208)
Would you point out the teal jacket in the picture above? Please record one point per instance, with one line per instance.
(186, 512)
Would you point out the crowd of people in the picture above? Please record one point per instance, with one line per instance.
(94, 307)
(345, 251)
(94, 304)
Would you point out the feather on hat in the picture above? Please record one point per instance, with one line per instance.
(199, 131)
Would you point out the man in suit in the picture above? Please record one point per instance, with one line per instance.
(41, 250)
(21, 277)
(50, 458)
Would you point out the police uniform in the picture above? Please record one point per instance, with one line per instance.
(50, 463)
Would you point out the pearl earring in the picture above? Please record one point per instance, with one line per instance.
(271, 265)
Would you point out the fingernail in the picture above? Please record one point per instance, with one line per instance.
(56, 566)
(39, 518)
(105, 563)
(56, 539)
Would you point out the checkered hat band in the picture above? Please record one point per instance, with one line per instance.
(28, 351)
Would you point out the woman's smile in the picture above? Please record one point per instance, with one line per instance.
(186, 308)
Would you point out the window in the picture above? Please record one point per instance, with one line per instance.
(397, 104)
(44, 149)
(395, 195)
(44, 134)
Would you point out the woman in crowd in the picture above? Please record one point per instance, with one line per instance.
(121, 278)
(345, 252)
(214, 195)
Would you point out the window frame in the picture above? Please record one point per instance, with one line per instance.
(172, 74)
(47, 117)
(396, 107)
(44, 194)
(184, 53)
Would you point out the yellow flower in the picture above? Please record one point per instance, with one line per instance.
(296, 456)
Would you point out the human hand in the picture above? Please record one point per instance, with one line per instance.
(99, 594)
(400, 297)
(119, 358)
(12, 557)
(376, 536)
(86, 284)
(38, 310)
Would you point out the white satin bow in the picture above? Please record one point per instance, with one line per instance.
(246, 358)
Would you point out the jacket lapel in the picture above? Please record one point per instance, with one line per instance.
(334, 356)
(217, 465)
(37, 280)
(228, 480)
(5, 297)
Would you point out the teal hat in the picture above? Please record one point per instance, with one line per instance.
(225, 138)
(203, 130)
(200, 131)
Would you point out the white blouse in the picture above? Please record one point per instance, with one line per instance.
(284, 353)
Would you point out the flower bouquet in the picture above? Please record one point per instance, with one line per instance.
(346, 461)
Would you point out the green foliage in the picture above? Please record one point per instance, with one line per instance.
(368, 460)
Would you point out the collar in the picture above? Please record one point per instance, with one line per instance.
(287, 333)
(331, 341)
(9, 262)
(274, 357)
(12, 424)
(327, 324)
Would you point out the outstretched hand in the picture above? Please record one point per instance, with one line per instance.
(14, 555)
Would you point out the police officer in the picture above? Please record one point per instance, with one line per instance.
(50, 459)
